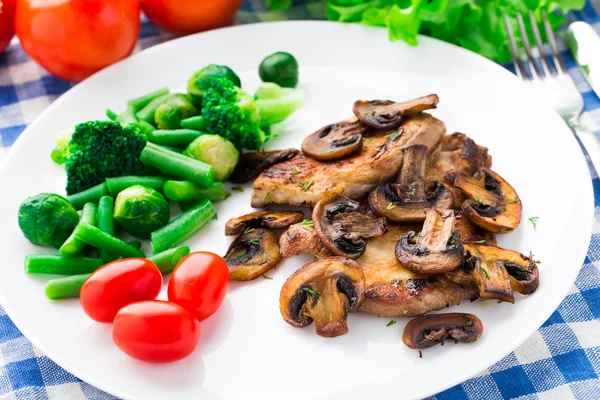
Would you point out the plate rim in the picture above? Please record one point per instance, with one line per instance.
(474, 57)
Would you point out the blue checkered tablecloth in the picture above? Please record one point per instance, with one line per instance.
(560, 361)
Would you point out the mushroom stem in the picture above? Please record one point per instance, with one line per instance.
(492, 281)
(437, 229)
(329, 313)
(412, 174)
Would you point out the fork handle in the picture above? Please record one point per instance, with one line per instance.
(588, 140)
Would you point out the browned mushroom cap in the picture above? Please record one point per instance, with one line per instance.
(252, 254)
(521, 272)
(386, 114)
(324, 291)
(302, 239)
(335, 141)
(436, 249)
(428, 330)
(492, 203)
(253, 164)
(262, 219)
(408, 200)
(343, 228)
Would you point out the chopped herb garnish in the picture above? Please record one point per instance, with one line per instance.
(392, 322)
(367, 140)
(298, 185)
(328, 151)
(227, 195)
(366, 217)
(534, 221)
(391, 206)
(267, 277)
(307, 186)
(512, 200)
(500, 301)
(309, 290)
(457, 205)
(504, 208)
(267, 198)
(477, 199)
(238, 188)
(249, 230)
(420, 354)
(216, 216)
(486, 273)
(307, 222)
(393, 136)
(241, 254)
(480, 241)
(254, 241)
(295, 170)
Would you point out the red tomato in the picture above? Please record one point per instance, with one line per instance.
(190, 16)
(156, 331)
(199, 283)
(117, 284)
(7, 27)
(72, 39)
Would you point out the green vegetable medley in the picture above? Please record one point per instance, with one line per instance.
(473, 24)
(122, 172)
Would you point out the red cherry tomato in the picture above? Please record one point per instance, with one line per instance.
(199, 283)
(156, 331)
(190, 16)
(72, 39)
(117, 284)
(7, 27)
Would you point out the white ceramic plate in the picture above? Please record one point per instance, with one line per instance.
(247, 351)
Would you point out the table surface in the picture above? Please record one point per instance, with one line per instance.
(560, 361)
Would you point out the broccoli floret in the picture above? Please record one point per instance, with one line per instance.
(100, 150)
(232, 113)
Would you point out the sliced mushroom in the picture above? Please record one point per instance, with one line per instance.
(343, 228)
(253, 164)
(262, 219)
(521, 271)
(302, 239)
(489, 274)
(436, 249)
(386, 114)
(428, 330)
(407, 200)
(252, 254)
(492, 203)
(335, 141)
(323, 291)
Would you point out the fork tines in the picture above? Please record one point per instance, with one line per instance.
(535, 71)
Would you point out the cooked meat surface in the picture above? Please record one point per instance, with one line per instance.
(391, 290)
(303, 181)
(302, 239)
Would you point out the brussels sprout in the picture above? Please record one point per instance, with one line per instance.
(196, 84)
(175, 108)
(141, 210)
(280, 68)
(216, 151)
(47, 219)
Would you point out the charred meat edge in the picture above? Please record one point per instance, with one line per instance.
(323, 291)
(252, 254)
(407, 200)
(429, 330)
(436, 249)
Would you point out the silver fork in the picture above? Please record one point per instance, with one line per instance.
(553, 82)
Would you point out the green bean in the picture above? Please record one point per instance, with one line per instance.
(65, 288)
(127, 116)
(95, 237)
(184, 190)
(197, 123)
(178, 165)
(73, 245)
(147, 113)
(167, 260)
(91, 195)
(55, 264)
(140, 102)
(174, 137)
(183, 227)
(111, 114)
(106, 223)
(117, 185)
(136, 244)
